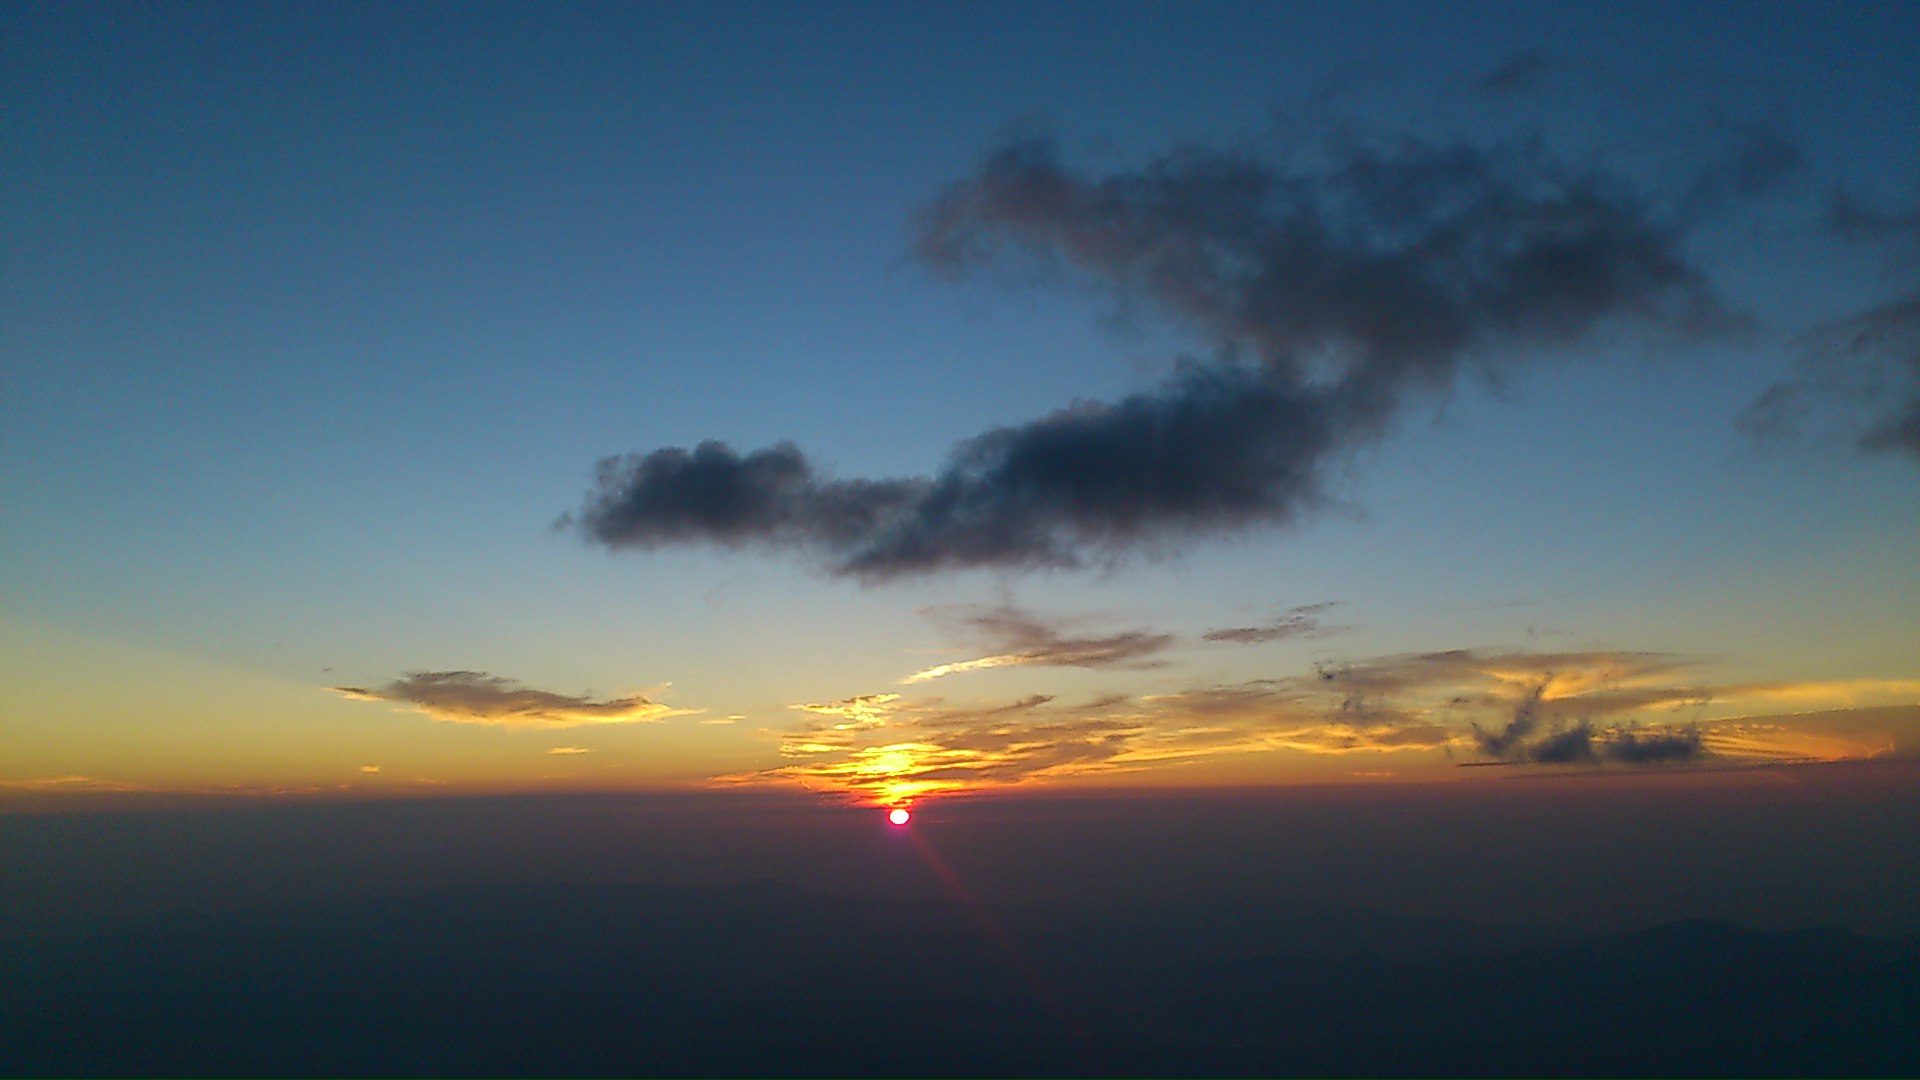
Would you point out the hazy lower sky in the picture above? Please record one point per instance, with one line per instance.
(908, 402)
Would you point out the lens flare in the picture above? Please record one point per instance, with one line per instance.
(898, 817)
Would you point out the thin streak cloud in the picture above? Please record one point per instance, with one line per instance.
(1521, 73)
(1022, 639)
(1296, 622)
(474, 697)
(71, 783)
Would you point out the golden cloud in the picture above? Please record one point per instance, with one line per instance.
(885, 749)
(71, 783)
(1552, 708)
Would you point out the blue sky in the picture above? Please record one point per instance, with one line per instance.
(318, 318)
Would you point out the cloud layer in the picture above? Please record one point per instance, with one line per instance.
(475, 697)
(1594, 708)
(1331, 288)
(886, 749)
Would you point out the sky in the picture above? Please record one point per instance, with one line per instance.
(885, 405)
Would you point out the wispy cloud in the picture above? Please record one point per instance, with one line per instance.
(1746, 161)
(1520, 73)
(1295, 622)
(474, 697)
(881, 748)
(884, 748)
(1626, 708)
(1333, 286)
(1824, 735)
(369, 768)
(1826, 693)
(1544, 708)
(71, 783)
(1617, 679)
(1022, 639)
(1595, 707)
(569, 751)
(1859, 374)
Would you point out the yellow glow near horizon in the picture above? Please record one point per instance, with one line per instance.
(95, 717)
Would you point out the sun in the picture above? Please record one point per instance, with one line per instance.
(898, 816)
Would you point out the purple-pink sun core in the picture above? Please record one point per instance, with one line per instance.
(898, 817)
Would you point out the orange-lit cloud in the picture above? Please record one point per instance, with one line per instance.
(1595, 707)
(1632, 707)
(473, 697)
(882, 748)
(1828, 735)
(569, 751)
(1853, 693)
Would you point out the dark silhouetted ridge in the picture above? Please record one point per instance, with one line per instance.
(759, 978)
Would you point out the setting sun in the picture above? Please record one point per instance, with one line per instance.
(898, 817)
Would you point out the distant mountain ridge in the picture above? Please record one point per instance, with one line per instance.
(763, 978)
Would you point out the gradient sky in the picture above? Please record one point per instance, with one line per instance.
(318, 320)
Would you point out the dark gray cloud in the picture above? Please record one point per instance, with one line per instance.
(1580, 744)
(1858, 375)
(1639, 748)
(1295, 622)
(712, 494)
(475, 697)
(1569, 746)
(1332, 289)
(1750, 160)
(1530, 736)
(1853, 218)
(1019, 638)
(1511, 740)
(1212, 448)
(1522, 72)
(1382, 269)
